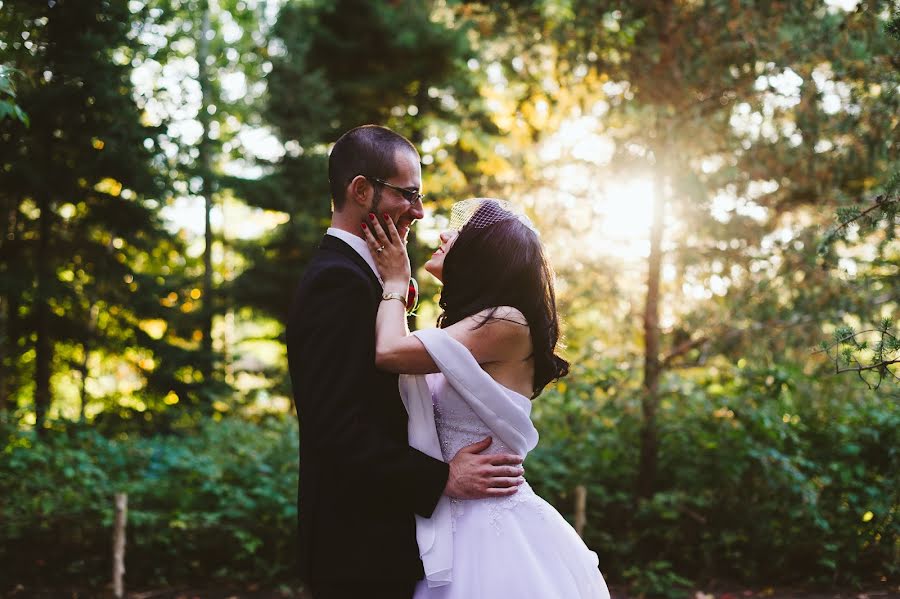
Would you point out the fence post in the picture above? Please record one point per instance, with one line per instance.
(580, 509)
(118, 569)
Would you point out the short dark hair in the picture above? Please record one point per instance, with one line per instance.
(503, 264)
(367, 150)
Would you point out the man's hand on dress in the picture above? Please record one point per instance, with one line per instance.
(476, 476)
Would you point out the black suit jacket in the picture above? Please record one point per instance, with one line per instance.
(360, 482)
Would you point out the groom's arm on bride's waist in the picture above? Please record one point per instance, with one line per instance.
(332, 339)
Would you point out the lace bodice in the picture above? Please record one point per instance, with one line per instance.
(457, 424)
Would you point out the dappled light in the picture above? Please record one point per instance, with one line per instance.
(715, 187)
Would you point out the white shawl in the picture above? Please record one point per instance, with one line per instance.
(505, 412)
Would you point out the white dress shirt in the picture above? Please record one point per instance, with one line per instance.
(359, 245)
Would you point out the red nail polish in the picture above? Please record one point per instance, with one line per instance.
(371, 216)
(385, 216)
(364, 226)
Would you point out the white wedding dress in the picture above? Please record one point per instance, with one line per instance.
(516, 547)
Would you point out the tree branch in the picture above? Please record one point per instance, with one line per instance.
(877, 366)
(880, 203)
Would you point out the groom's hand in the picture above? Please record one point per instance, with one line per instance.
(475, 476)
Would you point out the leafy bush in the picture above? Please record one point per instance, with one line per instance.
(766, 475)
(769, 475)
(217, 503)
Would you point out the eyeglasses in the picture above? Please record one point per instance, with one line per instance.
(410, 195)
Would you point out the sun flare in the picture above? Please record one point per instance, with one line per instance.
(624, 213)
(627, 208)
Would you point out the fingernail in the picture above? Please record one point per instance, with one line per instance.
(371, 216)
(384, 215)
(364, 226)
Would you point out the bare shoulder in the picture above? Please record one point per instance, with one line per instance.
(503, 320)
(509, 316)
(495, 334)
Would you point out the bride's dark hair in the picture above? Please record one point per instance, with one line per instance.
(503, 264)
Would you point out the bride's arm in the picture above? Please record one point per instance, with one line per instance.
(396, 350)
(506, 338)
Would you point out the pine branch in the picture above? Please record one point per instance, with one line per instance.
(877, 366)
(880, 204)
(881, 363)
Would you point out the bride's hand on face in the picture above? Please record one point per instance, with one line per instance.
(389, 252)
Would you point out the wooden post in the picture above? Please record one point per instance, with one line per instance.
(119, 545)
(580, 509)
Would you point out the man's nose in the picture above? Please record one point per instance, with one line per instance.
(417, 211)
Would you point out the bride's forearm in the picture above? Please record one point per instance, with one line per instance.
(390, 326)
(395, 349)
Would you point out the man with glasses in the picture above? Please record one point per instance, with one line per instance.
(360, 482)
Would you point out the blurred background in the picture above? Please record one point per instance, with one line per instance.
(716, 183)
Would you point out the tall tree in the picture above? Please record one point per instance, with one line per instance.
(202, 68)
(875, 348)
(336, 65)
(77, 191)
(205, 170)
(8, 110)
(730, 109)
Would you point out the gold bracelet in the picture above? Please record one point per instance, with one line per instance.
(394, 295)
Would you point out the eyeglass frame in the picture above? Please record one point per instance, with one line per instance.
(417, 196)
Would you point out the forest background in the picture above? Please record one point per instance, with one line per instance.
(716, 183)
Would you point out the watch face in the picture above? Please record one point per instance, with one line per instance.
(412, 296)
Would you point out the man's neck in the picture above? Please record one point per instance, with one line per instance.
(345, 224)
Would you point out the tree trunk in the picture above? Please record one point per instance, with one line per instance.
(9, 320)
(4, 360)
(580, 509)
(119, 524)
(85, 354)
(205, 162)
(650, 401)
(83, 372)
(9, 374)
(43, 348)
(229, 335)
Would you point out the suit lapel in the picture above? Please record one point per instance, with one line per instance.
(332, 243)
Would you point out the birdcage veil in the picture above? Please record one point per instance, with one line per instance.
(482, 212)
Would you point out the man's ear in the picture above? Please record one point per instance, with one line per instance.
(358, 191)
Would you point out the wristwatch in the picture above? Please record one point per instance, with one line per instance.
(393, 295)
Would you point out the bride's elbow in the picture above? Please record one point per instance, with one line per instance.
(386, 360)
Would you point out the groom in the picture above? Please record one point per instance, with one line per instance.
(360, 482)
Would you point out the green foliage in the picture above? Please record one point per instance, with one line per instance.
(774, 472)
(893, 26)
(766, 474)
(220, 503)
(873, 351)
(878, 223)
(85, 258)
(656, 579)
(8, 106)
(883, 213)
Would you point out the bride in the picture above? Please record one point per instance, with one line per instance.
(474, 377)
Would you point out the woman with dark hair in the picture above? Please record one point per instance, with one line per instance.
(473, 378)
